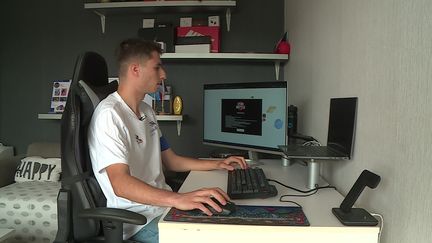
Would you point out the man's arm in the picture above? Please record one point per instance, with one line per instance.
(129, 187)
(174, 162)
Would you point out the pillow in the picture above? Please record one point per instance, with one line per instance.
(38, 169)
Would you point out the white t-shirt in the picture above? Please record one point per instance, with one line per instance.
(117, 135)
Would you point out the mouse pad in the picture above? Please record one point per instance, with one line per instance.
(246, 215)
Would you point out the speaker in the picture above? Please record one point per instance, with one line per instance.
(292, 120)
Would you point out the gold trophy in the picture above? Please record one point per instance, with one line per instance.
(177, 106)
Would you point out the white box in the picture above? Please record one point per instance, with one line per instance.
(196, 48)
(148, 23)
(213, 21)
(186, 22)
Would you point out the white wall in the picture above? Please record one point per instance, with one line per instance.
(380, 51)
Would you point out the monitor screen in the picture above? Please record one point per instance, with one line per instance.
(250, 116)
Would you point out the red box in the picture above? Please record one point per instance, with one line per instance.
(212, 31)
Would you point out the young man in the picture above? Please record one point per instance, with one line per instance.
(128, 150)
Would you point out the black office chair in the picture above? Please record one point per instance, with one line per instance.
(82, 212)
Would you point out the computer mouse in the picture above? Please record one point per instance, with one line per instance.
(227, 209)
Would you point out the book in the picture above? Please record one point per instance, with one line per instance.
(59, 95)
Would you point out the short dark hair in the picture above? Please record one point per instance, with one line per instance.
(132, 49)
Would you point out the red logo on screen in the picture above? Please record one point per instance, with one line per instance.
(240, 106)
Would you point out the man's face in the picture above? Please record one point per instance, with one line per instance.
(152, 73)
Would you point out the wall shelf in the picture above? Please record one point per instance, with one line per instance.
(49, 116)
(176, 118)
(141, 7)
(276, 58)
(230, 55)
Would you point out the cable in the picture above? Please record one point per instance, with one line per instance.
(289, 201)
(301, 191)
(382, 224)
(312, 143)
(281, 199)
(310, 192)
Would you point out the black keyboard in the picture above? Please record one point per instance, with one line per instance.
(249, 183)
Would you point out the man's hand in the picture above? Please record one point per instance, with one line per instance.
(197, 200)
(178, 163)
(228, 163)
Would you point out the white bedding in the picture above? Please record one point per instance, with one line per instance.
(31, 209)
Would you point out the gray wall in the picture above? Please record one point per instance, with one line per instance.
(381, 52)
(41, 39)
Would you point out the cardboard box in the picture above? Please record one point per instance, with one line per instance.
(212, 31)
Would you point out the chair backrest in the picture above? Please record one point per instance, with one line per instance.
(89, 86)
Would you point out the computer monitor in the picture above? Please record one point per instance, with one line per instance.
(248, 116)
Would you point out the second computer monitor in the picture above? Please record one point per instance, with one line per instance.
(249, 116)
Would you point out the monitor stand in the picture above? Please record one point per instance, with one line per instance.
(314, 174)
(224, 153)
(313, 171)
(253, 158)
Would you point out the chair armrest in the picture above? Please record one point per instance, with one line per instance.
(112, 221)
(114, 214)
(8, 168)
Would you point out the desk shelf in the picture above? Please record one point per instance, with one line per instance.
(142, 7)
(176, 118)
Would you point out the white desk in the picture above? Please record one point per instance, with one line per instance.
(324, 226)
(5, 233)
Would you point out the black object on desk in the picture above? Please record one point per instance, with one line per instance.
(357, 216)
(249, 183)
(227, 209)
(340, 135)
(245, 215)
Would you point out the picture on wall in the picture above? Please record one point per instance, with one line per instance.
(59, 95)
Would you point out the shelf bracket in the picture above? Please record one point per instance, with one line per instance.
(277, 67)
(102, 19)
(228, 18)
(178, 128)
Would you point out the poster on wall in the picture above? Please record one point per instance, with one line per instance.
(59, 95)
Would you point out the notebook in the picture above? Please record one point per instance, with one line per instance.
(340, 136)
